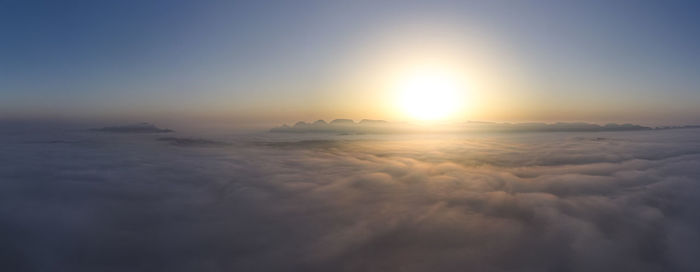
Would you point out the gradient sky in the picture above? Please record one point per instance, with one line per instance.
(598, 61)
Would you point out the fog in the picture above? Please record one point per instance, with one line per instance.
(81, 200)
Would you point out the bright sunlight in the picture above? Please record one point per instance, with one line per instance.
(430, 94)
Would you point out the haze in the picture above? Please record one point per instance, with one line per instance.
(410, 136)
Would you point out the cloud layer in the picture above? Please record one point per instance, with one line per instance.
(606, 201)
(347, 126)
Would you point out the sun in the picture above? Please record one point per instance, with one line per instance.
(430, 94)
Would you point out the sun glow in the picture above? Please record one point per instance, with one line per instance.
(430, 94)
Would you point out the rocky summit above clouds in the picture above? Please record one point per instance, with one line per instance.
(381, 126)
(342, 122)
(320, 122)
(337, 126)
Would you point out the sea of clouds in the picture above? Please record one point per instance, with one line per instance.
(79, 200)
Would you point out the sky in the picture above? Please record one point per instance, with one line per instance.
(282, 61)
(107, 162)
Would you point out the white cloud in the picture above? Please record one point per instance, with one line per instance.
(609, 201)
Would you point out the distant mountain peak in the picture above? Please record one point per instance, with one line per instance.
(348, 126)
(342, 122)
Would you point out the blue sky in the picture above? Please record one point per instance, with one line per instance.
(573, 60)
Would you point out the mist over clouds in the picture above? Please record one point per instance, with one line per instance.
(77, 200)
(365, 126)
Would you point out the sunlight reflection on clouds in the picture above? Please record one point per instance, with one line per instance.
(529, 202)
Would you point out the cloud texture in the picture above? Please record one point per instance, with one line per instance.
(607, 201)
